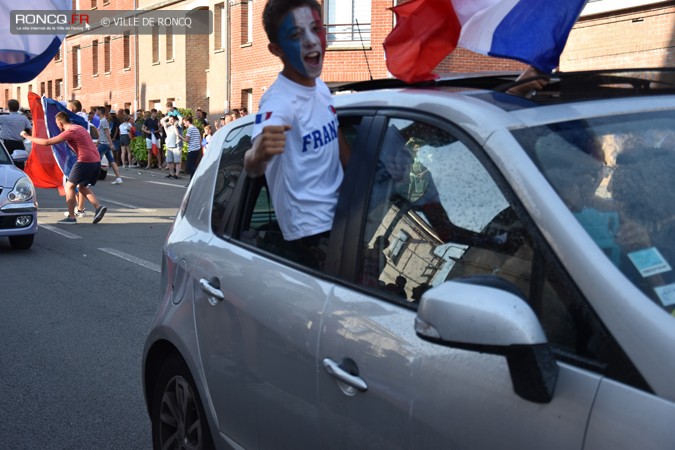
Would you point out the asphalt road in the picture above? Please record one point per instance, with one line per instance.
(75, 310)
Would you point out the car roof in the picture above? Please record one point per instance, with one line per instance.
(479, 102)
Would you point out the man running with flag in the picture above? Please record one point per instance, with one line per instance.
(85, 171)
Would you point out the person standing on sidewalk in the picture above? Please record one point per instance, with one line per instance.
(85, 171)
(194, 140)
(105, 141)
(174, 152)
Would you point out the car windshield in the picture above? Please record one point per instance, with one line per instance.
(616, 174)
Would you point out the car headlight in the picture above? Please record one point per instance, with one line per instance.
(22, 191)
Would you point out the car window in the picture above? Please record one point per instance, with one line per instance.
(258, 221)
(4, 156)
(437, 213)
(230, 167)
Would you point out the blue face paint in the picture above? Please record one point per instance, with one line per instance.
(289, 42)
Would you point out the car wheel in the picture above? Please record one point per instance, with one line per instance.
(177, 415)
(21, 242)
(102, 174)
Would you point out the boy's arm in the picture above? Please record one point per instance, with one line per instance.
(267, 144)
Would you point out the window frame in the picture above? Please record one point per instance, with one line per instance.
(361, 33)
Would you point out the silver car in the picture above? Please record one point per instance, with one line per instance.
(499, 275)
(18, 202)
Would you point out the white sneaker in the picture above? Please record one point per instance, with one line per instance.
(78, 213)
(117, 181)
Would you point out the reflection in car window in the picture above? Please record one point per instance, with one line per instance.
(436, 213)
(616, 174)
(229, 170)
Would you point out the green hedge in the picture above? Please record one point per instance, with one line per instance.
(140, 152)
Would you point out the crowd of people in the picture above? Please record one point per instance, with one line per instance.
(110, 134)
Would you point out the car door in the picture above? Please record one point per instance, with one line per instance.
(258, 314)
(256, 320)
(438, 211)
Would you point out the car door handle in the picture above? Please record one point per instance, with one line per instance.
(338, 372)
(214, 294)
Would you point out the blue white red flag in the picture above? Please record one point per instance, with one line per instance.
(261, 117)
(24, 56)
(65, 156)
(530, 31)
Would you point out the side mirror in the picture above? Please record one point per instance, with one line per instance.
(19, 156)
(487, 315)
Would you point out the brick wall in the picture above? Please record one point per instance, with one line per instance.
(198, 74)
(114, 87)
(639, 37)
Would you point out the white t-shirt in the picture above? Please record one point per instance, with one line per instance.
(171, 139)
(125, 128)
(304, 180)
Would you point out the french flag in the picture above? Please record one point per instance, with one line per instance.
(24, 56)
(530, 31)
(47, 165)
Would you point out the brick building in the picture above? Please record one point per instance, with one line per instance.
(232, 67)
(95, 69)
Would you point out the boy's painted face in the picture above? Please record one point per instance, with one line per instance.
(303, 41)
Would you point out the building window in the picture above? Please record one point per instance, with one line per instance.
(106, 54)
(347, 22)
(49, 89)
(246, 22)
(30, 88)
(58, 89)
(247, 99)
(57, 57)
(126, 40)
(18, 93)
(93, 4)
(219, 26)
(76, 69)
(6, 95)
(94, 58)
(169, 43)
(155, 44)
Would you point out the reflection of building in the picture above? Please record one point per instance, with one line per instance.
(231, 67)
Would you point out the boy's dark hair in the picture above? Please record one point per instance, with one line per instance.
(13, 105)
(276, 10)
(188, 119)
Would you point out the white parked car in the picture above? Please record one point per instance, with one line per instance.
(18, 201)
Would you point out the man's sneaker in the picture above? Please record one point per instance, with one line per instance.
(100, 212)
(68, 221)
(78, 213)
(117, 181)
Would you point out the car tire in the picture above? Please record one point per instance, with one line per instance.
(21, 242)
(177, 415)
(102, 174)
